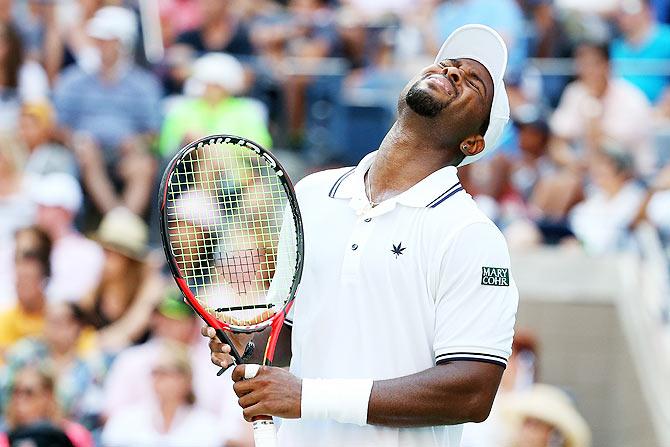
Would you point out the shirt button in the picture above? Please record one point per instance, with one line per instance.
(354, 246)
(368, 219)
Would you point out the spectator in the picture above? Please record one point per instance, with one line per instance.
(26, 317)
(596, 108)
(33, 414)
(544, 417)
(76, 262)
(644, 44)
(178, 17)
(129, 380)
(172, 419)
(601, 221)
(58, 348)
(216, 78)
(26, 240)
(220, 32)
(36, 126)
(119, 307)
(20, 79)
(15, 207)
(111, 115)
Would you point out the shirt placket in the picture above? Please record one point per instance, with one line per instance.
(360, 239)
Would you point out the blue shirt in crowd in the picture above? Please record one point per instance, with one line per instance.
(655, 50)
(111, 111)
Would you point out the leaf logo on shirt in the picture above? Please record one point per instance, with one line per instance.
(398, 249)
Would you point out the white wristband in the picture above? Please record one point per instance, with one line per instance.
(342, 400)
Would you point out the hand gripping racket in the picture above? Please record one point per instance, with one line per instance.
(232, 234)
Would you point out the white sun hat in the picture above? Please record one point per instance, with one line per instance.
(486, 46)
(58, 190)
(114, 23)
(219, 69)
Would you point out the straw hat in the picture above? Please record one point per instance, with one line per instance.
(124, 232)
(550, 405)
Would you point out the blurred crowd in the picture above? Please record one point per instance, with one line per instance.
(96, 95)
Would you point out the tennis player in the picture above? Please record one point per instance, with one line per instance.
(404, 317)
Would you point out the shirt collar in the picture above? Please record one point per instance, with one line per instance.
(429, 192)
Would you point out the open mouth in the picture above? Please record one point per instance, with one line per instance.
(442, 83)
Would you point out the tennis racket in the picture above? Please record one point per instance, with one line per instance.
(232, 234)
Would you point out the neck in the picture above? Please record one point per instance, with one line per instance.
(639, 34)
(37, 307)
(59, 231)
(168, 408)
(405, 158)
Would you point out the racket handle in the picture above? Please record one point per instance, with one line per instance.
(265, 433)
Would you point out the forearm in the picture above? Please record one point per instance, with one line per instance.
(443, 395)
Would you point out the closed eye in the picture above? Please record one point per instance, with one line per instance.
(479, 80)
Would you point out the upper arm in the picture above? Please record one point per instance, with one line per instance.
(481, 378)
(476, 299)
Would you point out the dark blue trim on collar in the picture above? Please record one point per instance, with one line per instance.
(339, 181)
(459, 189)
(443, 194)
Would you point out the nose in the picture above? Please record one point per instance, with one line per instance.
(454, 74)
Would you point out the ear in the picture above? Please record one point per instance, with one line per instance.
(472, 145)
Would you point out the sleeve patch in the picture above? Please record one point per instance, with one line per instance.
(495, 276)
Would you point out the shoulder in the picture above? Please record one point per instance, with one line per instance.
(629, 90)
(142, 78)
(325, 182)
(467, 225)
(72, 75)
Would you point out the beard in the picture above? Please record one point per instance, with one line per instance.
(422, 103)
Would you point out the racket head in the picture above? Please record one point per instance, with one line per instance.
(232, 232)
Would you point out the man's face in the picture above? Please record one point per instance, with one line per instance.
(456, 92)
(110, 51)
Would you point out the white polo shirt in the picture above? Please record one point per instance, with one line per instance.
(420, 279)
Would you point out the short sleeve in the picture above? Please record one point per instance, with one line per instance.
(476, 298)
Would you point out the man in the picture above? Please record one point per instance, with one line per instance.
(644, 44)
(406, 308)
(36, 127)
(109, 115)
(26, 317)
(76, 262)
(596, 108)
(216, 78)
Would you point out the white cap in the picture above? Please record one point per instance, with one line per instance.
(113, 23)
(58, 190)
(219, 69)
(486, 46)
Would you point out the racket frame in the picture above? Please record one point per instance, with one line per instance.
(276, 321)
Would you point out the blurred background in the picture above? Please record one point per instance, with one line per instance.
(96, 346)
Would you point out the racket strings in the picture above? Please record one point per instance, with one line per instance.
(231, 232)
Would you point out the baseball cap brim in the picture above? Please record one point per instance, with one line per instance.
(486, 46)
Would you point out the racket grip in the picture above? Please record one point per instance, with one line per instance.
(265, 433)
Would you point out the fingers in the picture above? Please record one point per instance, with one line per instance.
(220, 352)
(238, 373)
(251, 412)
(208, 331)
(222, 360)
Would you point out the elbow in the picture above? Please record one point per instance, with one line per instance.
(480, 408)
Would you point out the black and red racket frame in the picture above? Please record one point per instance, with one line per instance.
(277, 320)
